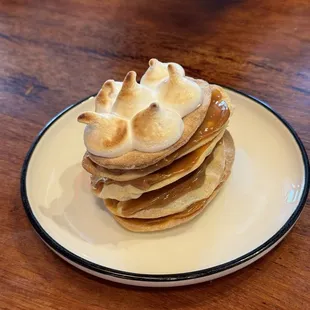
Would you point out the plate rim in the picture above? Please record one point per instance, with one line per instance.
(174, 277)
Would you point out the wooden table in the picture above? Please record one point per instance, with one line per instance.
(54, 53)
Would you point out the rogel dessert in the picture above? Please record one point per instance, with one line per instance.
(158, 151)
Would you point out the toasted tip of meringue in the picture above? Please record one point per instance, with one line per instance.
(106, 96)
(88, 117)
(173, 72)
(170, 67)
(132, 98)
(105, 91)
(108, 137)
(179, 93)
(109, 85)
(155, 128)
(154, 106)
(152, 62)
(130, 79)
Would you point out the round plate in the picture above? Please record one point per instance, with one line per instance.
(252, 213)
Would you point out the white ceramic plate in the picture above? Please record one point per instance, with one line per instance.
(253, 212)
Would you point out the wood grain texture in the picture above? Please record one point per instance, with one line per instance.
(54, 53)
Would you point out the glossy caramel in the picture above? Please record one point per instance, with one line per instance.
(217, 115)
(179, 166)
(190, 211)
(163, 196)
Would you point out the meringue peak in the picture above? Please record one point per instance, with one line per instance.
(174, 74)
(89, 118)
(130, 81)
(154, 106)
(132, 98)
(179, 93)
(157, 72)
(106, 96)
(155, 128)
(153, 62)
(106, 135)
(100, 119)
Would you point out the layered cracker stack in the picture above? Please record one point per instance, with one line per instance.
(158, 151)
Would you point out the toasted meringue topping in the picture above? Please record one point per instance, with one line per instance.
(106, 135)
(127, 118)
(106, 96)
(179, 93)
(155, 129)
(157, 72)
(132, 97)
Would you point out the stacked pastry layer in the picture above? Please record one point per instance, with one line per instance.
(158, 151)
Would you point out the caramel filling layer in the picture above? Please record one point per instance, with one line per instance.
(191, 210)
(163, 196)
(217, 115)
(180, 166)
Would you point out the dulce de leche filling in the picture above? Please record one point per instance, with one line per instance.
(217, 115)
(163, 196)
(180, 166)
(190, 211)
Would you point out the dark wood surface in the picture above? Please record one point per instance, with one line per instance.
(54, 53)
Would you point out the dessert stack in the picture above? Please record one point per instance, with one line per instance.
(158, 151)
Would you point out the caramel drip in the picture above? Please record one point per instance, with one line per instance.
(163, 196)
(217, 115)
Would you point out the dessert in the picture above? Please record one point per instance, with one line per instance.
(158, 151)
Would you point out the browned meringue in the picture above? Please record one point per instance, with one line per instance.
(106, 135)
(156, 128)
